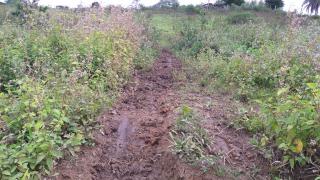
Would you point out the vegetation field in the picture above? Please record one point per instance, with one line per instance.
(162, 92)
(267, 61)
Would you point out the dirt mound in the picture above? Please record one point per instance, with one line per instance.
(133, 142)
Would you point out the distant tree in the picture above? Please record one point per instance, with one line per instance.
(33, 3)
(135, 4)
(191, 9)
(62, 7)
(43, 8)
(23, 8)
(95, 5)
(167, 4)
(274, 4)
(175, 5)
(12, 2)
(312, 6)
(219, 4)
(236, 2)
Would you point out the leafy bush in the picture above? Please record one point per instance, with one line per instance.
(56, 78)
(292, 122)
(190, 9)
(190, 41)
(38, 127)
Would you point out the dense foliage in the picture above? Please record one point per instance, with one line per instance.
(312, 6)
(241, 18)
(274, 4)
(270, 62)
(57, 71)
(235, 2)
(167, 4)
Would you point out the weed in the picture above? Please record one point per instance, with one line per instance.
(190, 141)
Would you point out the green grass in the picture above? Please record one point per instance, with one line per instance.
(169, 26)
(165, 26)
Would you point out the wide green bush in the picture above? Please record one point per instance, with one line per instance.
(55, 79)
(291, 122)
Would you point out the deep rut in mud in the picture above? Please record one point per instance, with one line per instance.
(133, 142)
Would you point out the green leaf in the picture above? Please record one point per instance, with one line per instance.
(40, 158)
(6, 172)
(312, 85)
(291, 162)
(286, 158)
(26, 175)
(282, 91)
(309, 123)
(56, 112)
(290, 127)
(38, 125)
(283, 146)
(49, 163)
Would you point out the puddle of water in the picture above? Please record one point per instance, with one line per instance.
(124, 130)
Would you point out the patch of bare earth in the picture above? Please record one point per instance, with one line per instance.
(133, 142)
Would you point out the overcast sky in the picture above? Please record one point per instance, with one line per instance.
(289, 4)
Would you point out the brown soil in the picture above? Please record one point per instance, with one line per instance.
(133, 142)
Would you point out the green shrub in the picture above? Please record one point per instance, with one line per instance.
(191, 10)
(190, 41)
(241, 18)
(292, 123)
(145, 57)
(37, 130)
(55, 79)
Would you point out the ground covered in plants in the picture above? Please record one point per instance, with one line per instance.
(266, 61)
(159, 93)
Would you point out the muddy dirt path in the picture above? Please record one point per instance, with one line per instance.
(133, 142)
